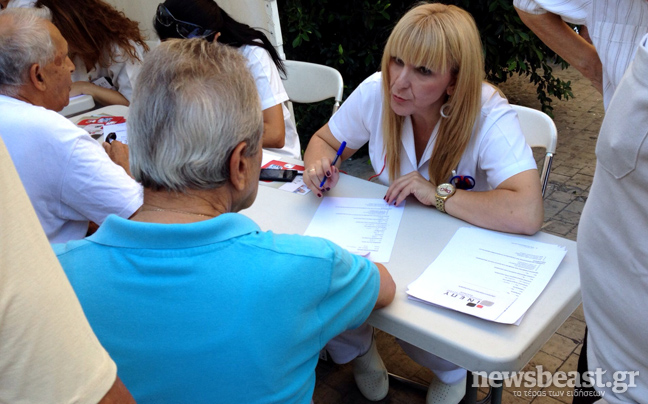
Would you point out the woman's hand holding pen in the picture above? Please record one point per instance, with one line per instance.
(411, 184)
(322, 170)
(323, 175)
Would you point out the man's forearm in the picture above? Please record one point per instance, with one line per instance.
(563, 40)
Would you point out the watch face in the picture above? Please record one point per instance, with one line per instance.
(445, 189)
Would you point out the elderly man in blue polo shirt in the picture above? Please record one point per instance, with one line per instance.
(192, 300)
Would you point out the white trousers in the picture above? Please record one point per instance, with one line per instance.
(353, 343)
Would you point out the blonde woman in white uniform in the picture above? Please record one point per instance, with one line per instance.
(437, 132)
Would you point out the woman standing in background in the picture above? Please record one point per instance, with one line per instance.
(205, 19)
(105, 46)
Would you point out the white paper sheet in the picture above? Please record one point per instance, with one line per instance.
(364, 226)
(297, 186)
(488, 274)
(266, 158)
(119, 129)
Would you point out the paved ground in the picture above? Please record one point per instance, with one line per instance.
(578, 121)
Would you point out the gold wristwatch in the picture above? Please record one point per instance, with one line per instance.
(443, 192)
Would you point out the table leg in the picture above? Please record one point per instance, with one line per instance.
(496, 394)
(471, 389)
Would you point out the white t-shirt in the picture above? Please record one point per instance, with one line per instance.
(48, 353)
(496, 151)
(272, 92)
(68, 175)
(615, 26)
(123, 71)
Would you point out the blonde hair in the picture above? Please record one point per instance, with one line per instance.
(439, 37)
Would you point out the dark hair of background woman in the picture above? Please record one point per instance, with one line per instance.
(209, 15)
(92, 27)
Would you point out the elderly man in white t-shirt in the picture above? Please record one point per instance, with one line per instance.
(69, 178)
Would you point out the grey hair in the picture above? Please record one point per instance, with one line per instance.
(24, 41)
(193, 103)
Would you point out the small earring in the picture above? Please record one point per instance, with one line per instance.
(444, 110)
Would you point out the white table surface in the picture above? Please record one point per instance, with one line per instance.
(78, 105)
(470, 342)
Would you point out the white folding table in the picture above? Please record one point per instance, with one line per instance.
(472, 343)
(77, 105)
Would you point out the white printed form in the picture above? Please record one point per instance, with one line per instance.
(120, 131)
(488, 274)
(364, 226)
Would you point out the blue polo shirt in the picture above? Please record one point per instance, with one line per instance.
(216, 311)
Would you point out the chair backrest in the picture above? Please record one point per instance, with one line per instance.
(309, 82)
(152, 44)
(540, 131)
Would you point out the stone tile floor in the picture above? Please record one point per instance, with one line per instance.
(578, 121)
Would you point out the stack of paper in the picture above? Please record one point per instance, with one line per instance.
(488, 274)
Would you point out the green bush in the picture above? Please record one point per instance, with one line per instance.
(349, 35)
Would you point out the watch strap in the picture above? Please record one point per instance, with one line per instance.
(440, 203)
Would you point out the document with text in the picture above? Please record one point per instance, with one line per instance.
(364, 226)
(488, 274)
(119, 130)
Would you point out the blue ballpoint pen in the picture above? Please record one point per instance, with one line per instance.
(337, 156)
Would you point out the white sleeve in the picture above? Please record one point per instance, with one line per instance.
(503, 151)
(124, 71)
(95, 187)
(21, 3)
(48, 353)
(266, 76)
(572, 11)
(355, 118)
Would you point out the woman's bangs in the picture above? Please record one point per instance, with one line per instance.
(418, 46)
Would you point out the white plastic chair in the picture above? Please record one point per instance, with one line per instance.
(152, 44)
(540, 131)
(309, 82)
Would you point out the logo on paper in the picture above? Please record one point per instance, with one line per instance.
(480, 304)
(471, 301)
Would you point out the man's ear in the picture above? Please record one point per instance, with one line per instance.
(36, 77)
(239, 167)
